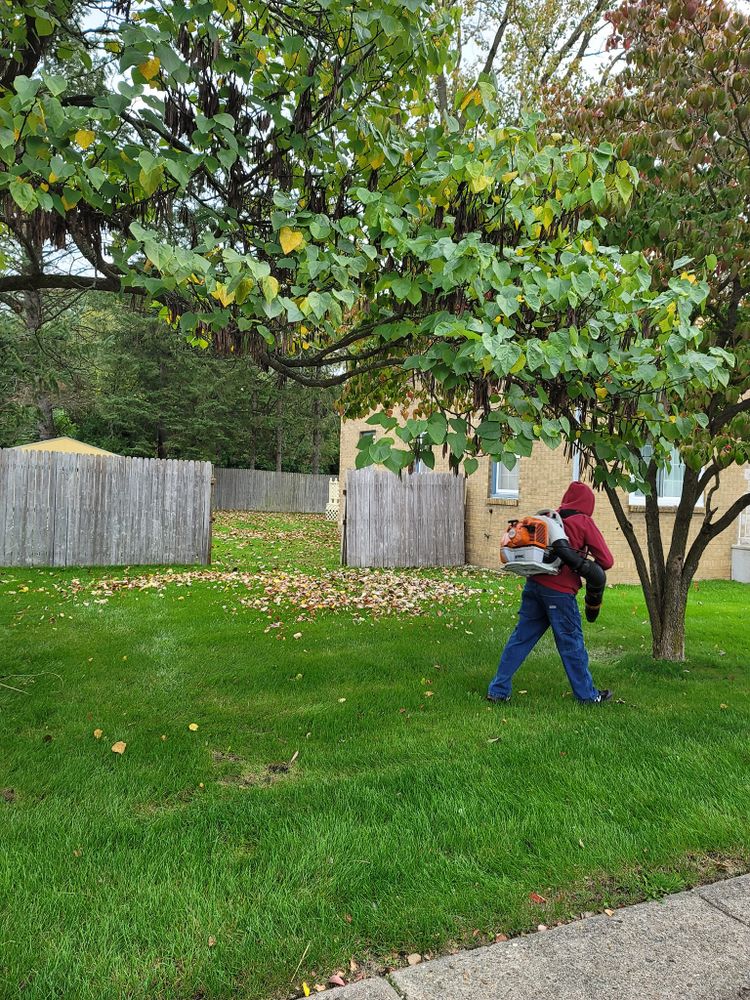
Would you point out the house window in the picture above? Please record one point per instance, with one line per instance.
(419, 466)
(504, 481)
(366, 434)
(668, 481)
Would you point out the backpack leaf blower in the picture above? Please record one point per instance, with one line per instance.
(538, 545)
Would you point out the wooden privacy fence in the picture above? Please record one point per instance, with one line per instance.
(96, 510)
(417, 520)
(285, 492)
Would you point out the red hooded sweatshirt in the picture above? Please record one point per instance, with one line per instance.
(583, 535)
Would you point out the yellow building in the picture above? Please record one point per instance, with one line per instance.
(494, 494)
(64, 444)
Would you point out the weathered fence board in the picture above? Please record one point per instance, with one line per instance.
(60, 509)
(416, 520)
(285, 492)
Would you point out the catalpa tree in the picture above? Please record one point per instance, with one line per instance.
(680, 108)
(275, 178)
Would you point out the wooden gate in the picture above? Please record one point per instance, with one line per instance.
(415, 520)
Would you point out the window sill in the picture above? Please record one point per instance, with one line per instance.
(502, 501)
(664, 508)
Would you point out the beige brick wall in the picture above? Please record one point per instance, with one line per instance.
(543, 478)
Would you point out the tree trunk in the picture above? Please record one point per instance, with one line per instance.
(317, 435)
(253, 429)
(279, 430)
(46, 423)
(161, 433)
(668, 630)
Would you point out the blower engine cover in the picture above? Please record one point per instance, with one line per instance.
(526, 547)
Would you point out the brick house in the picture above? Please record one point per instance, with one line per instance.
(494, 494)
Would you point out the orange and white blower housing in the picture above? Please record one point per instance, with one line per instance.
(527, 549)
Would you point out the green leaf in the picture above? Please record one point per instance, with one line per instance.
(624, 188)
(22, 194)
(470, 465)
(270, 287)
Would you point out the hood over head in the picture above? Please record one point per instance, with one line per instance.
(580, 497)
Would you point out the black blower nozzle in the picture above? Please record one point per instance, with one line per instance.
(592, 573)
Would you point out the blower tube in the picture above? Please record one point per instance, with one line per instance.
(592, 573)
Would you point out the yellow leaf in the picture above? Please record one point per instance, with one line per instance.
(509, 176)
(44, 187)
(473, 95)
(98, 733)
(306, 989)
(119, 747)
(290, 239)
(52, 178)
(688, 277)
(150, 68)
(84, 137)
(303, 329)
(377, 160)
(262, 57)
(478, 184)
(193, 727)
(221, 294)
(588, 246)
(601, 392)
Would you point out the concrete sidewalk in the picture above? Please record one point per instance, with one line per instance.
(691, 946)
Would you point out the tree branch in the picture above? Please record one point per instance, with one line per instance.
(35, 282)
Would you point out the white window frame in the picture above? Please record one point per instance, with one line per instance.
(576, 475)
(504, 494)
(638, 499)
(418, 466)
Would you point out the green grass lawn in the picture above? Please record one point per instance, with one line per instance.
(414, 816)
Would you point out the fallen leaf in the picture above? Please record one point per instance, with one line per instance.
(523, 692)
(297, 635)
(306, 989)
(493, 739)
(193, 727)
(348, 917)
(428, 694)
(723, 706)
(353, 967)
(414, 959)
(211, 941)
(580, 842)
(8, 794)
(119, 747)
(610, 913)
(341, 701)
(98, 733)
(77, 852)
(164, 737)
(319, 988)
(541, 927)
(336, 980)
(536, 898)
(499, 938)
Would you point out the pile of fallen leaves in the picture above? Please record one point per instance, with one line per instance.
(375, 593)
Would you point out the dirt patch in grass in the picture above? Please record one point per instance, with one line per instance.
(226, 757)
(269, 775)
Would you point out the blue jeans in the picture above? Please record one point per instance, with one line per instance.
(541, 608)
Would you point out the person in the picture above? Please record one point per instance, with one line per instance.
(549, 601)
